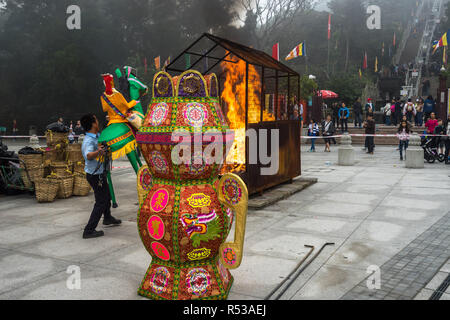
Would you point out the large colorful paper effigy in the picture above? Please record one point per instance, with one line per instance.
(186, 209)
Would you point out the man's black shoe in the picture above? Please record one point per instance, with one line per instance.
(93, 234)
(112, 221)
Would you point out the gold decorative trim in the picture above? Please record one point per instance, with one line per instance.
(196, 73)
(156, 77)
(240, 208)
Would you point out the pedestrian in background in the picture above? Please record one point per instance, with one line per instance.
(419, 113)
(313, 131)
(403, 134)
(15, 130)
(369, 125)
(409, 110)
(429, 107)
(431, 123)
(344, 114)
(328, 130)
(358, 112)
(393, 112)
(398, 112)
(440, 131)
(335, 117)
(369, 107)
(387, 113)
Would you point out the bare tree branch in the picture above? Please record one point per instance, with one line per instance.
(271, 14)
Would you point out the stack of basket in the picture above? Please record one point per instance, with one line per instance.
(64, 169)
(32, 168)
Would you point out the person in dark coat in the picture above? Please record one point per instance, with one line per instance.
(398, 112)
(328, 130)
(358, 111)
(369, 125)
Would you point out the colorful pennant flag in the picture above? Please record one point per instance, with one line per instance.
(365, 61)
(298, 51)
(276, 51)
(441, 43)
(376, 64)
(158, 63)
(360, 73)
(395, 39)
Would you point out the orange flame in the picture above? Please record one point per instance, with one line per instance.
(233, 95)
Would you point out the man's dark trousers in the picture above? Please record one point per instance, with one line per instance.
(102, 204)
(370, 144)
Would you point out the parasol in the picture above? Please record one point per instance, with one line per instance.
(327, 94)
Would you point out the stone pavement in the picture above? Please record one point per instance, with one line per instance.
(377, 213)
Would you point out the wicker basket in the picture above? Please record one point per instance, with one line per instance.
(50, 155)
(81, 186)
(74, 153)
(78, 167)
(34, 173)
(46, 189)
(61, 168)
(55, 138)
(65, 185)
(31, 160)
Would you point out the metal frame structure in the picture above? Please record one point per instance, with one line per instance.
(212, 48)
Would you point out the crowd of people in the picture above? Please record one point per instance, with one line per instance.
(417, 111)
(403, 114)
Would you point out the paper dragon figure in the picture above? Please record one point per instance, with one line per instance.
(120, 135)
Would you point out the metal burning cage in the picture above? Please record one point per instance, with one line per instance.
(257, 92)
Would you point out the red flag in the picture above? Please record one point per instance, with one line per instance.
(394, 39)
(329, 26)
(365, 61)
(276, 51)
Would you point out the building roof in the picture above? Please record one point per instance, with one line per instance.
(250, 55)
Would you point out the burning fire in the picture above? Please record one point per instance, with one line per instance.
(233, 96)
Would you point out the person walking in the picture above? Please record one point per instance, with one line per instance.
(358, 112)
(403, 134)
(409, 110)
(419, 113)
(344, 113)
(328, 130)
(313, 131)
(369, 125)
(429, 107)
(96, 176)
